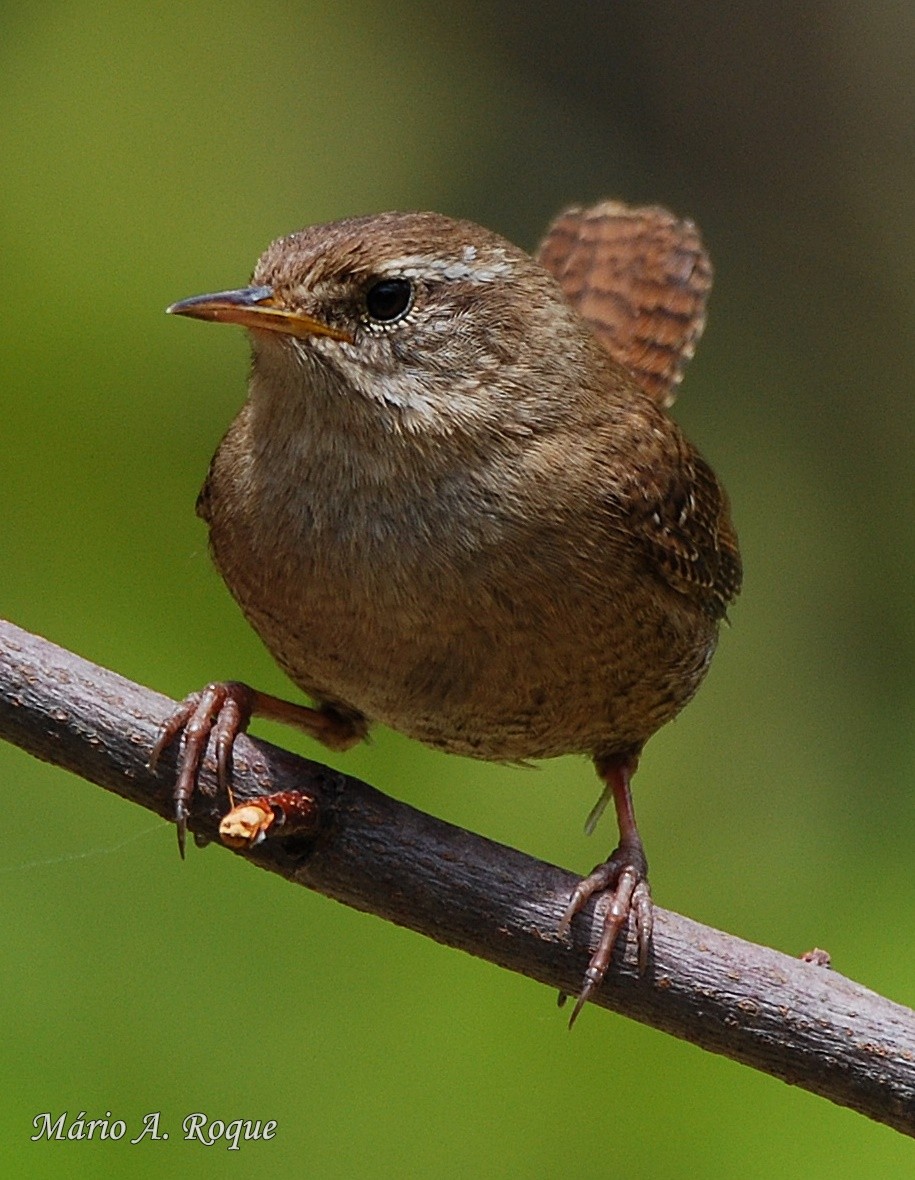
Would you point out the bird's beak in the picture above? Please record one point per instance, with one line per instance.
(257, 308)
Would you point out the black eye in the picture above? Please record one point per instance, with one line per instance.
(389, 299)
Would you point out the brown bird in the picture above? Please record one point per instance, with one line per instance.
(454, 503)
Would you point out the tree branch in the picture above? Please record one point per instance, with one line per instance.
(799, 1022)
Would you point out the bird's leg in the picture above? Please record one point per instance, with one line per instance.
(624, 875)
(222, 711)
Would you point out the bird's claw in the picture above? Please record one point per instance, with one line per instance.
(222, 710)
(624, 879)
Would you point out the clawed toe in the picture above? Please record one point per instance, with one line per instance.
(221, 709)
(221, 712)
(623, 878)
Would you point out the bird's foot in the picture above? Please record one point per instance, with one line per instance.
(623, 877)
(221, 712)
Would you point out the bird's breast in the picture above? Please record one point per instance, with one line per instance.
(453, 615)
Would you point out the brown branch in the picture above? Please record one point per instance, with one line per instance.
(800, 1022)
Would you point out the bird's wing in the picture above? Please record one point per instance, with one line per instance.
(682, 520)
(640, 278)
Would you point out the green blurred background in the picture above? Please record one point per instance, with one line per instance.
(151, 152)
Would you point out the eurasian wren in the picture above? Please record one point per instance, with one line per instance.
(454, 503)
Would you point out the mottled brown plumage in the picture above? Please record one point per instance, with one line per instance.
(463, 517)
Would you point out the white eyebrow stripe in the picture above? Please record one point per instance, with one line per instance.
(418, 266)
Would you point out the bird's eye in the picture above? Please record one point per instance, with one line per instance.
(389, 299)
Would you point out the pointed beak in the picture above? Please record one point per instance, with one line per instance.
(256, 308)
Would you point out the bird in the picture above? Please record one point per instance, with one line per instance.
(454, 502)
